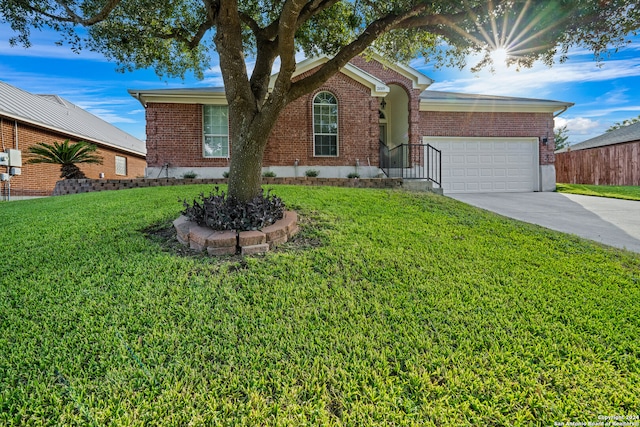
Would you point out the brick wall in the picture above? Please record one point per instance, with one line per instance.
(292, 135)
(174, 136)
(485, 124)
(40, 179)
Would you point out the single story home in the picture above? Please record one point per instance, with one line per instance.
(27, 119)
(374, 118)
(612, 158)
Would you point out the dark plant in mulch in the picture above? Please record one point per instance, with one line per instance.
(219, 211)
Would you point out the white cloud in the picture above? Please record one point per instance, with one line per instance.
(540, 80)
(578, 125)
(43, 45)
(615, 110)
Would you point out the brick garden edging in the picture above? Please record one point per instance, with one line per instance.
(230, 242)
(74, 186)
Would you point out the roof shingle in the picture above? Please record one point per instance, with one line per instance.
(619, 136)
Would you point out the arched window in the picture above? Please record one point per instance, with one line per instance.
(325, 125)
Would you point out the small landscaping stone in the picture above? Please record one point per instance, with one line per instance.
(290, 221)
(224, 250)
(278, 241)
(182, 226)
(254, 249)
(275, 231)
(198, 237)
(219, 239)
(250, 238)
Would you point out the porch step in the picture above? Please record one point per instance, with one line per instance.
(420, 185)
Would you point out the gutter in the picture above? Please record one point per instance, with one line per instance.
(562, 111)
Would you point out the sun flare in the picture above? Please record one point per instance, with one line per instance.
(500, 56)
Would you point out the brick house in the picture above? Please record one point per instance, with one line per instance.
(27, 119)
(374, 118)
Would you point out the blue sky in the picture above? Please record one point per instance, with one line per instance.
(603, 93)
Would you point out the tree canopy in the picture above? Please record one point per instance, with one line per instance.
(179, 36)
(624, 123)
(561, 137)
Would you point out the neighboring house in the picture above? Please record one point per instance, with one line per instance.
(374, 118)
(27, 119)
(612, 158)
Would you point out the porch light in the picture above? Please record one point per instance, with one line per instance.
(545, 139)
(383, 104)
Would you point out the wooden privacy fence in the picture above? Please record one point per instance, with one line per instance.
(617, 164)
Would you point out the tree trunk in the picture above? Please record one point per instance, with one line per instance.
(245, 173)
(71, 171)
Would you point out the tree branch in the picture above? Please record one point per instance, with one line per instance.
(313, 8)
(413, 18)
(74, 18)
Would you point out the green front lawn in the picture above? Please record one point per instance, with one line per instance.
(613, 191)
(390, 308)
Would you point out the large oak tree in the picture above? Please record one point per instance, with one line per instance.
(178, 36)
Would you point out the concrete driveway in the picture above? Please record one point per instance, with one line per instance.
(613, 222)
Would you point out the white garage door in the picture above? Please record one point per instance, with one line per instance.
(484, 165)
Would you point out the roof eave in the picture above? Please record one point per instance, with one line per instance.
(178, 97)
(420, 81)
(493, 106)
(377, 86)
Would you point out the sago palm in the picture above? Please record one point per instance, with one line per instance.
(66, 155)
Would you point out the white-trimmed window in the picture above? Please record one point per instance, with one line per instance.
(325, 125)
(121, 165)
(216, 131)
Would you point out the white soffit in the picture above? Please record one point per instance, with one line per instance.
(458, 102)
(213, 96)
(420, 81)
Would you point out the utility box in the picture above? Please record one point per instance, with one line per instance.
(15, 158)
(4, 177)
(4, 159)
(13, 171)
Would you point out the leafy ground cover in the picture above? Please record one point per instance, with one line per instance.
(408, 309)
(629, 192)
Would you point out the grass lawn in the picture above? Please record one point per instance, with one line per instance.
(613, 191)
(403, 309)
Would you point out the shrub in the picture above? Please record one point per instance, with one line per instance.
(221, 212)
(353, 175)
(225, 174)
(65, 154)
(312, 173)
(268, 174)
(189, 175)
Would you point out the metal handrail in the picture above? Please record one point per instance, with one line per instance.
(384, 158)
(434, 164)
(412, 161)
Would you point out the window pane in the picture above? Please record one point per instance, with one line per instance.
(216, 130)
(325, 124)
(216, 146)
(326, 145)
(121, 165)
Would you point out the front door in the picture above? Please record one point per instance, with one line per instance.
(383, 133)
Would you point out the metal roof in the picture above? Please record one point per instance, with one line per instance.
(59, 115)
(619, 136)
